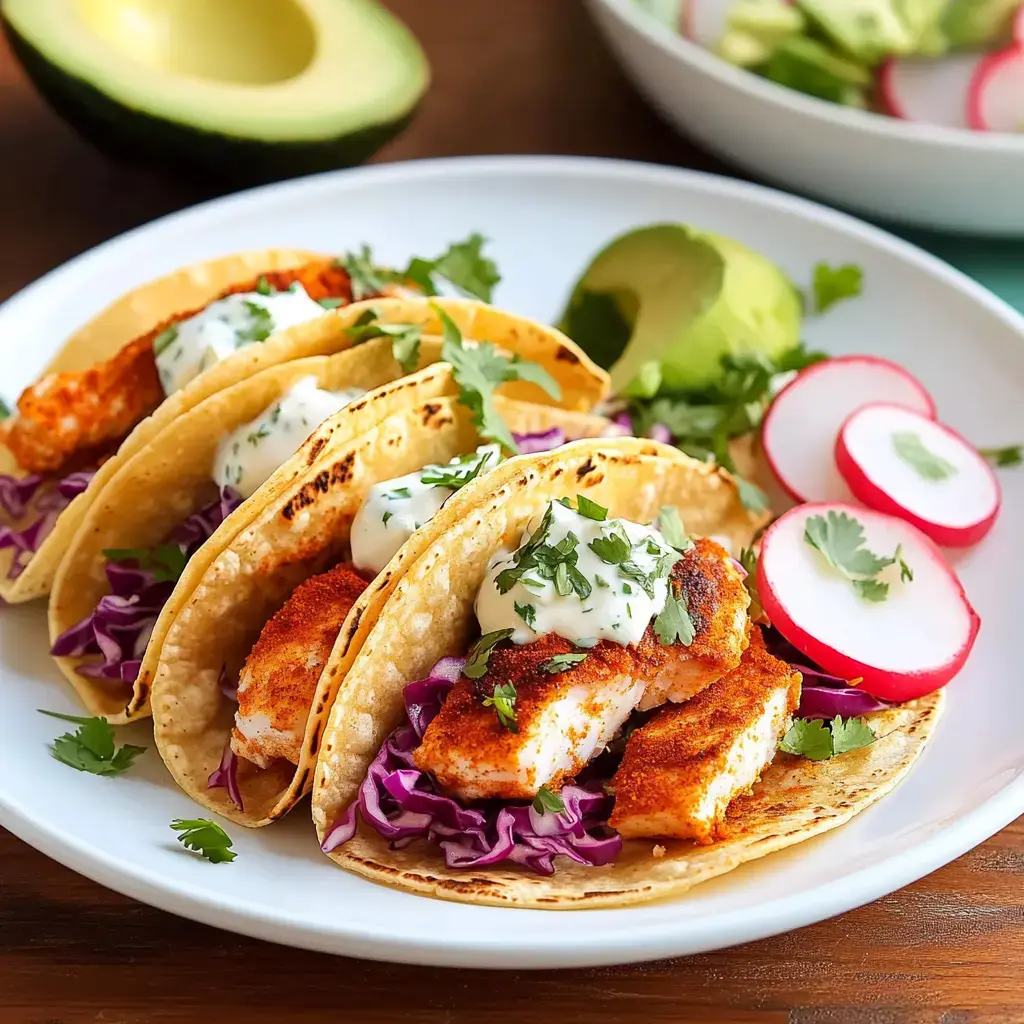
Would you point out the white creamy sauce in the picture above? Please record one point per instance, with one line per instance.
(191, 346)
(394, 509)
(617, 607)
(248, 456)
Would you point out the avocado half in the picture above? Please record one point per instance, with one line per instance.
(662, 305)
(242, 90)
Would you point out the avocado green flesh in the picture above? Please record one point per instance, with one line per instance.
(689, 298)
(977, 23)
(218, 118)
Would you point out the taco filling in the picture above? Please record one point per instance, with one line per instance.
(588, 625)
(141, 581)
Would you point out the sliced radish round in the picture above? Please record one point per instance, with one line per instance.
(897, 461)
(929, 91)
(801, 426)
(705, 21)
(996, 98)
(907, 645)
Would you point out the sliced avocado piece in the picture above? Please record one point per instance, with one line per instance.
(924, 19)
(242, 91)
(755, 28)
(660, 306)
(979, 23)
(868, 30)
(811, 67)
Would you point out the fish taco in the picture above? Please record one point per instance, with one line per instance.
(144, 541)
(564, 701)
(238, 694)
(159, 351)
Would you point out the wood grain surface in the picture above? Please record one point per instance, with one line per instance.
(524, 77)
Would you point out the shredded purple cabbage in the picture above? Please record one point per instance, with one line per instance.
(543, 441)
(120, 626)
(45, 499)
(822, 695)
(401, 803)
(659, 432)
(225, 776)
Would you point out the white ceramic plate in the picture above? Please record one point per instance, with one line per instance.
(922, 174)
(546, 217)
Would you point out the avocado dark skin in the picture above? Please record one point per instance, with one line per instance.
(154, 142)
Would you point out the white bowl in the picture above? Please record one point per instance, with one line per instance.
(920, 174)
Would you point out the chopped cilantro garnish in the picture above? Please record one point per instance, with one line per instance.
(554, 562)
(398, 492)
(384, 518)
(590, 509)
(562, 662)
(840, 540)
(600, 581)
(462, 264)
(459, 473)
(503, 700)
(479, 371)
(671, 527)
(913, 451)
(5, 410)
(1005, 458)
(527, 612)
(366, 278)
(330, 302)
(752, 497)
(613, 546)
(748, 559)
(480, 653)
(546, 802)
(206, 838)
(263, 286)
(821, 741)
(834, 284)
(673, 624)
(261, 326)
(165, 561)
(165, 339)
(91, 747)
(405, 338)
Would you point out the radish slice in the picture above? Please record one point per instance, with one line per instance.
(905, 646)
(1018, 26)
(929, 91)
(705, 21)
(996, 98)
(801, 426)
(900, 462)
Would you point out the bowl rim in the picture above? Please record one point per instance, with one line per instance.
(891, 129)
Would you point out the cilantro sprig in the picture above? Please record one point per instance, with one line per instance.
(480, 370)
(839, 538)
(165, 339)
(1005, 458)
(836, 284)
(673, 624)
(90, 748)
(563, 662)
(461, 471)
(546, 802)
(5, 410)
(537, 561)
(503, 700)
(748, 559)
(821, 741)
(405, 338)
(480, 653)
(165, 561)
(912, 450)
(205, 837)
(671, 526)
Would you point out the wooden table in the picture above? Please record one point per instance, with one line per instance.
(949, 949)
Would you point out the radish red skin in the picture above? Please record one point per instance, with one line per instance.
(874, 497)
(988, 67)
(886, 685)
(927, 401)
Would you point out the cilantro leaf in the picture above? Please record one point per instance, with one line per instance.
(562, 663)
(461, 471)
(480, 653)
(527, 612)
(913, 451)
(5, 410)
(834, 284)
(808, 738)
(503, 700)
(840, 540)
(479, 371)
(851, 734)
(165, 339)
(612, 546)
(331, 302)
(671, 527)
(405, 338)
(263, 286)
(91, 747)
(206, 838)
(366, 278)
(748, 559)
(871, 590)
(752, 497)
(673, 623)
(590, 509)
(1004, 458)
(165, 561)
(545, 801)
(462, 264)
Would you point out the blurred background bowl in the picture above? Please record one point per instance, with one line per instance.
(914, 173)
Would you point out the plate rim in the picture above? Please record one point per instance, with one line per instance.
(659, 939)
(899, 132)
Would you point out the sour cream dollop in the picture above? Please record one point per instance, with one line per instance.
(248, 456)
(191, 346)
(620, 581)
(394, 509)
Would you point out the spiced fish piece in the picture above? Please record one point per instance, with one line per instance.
(683, 768)
(571, 700)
